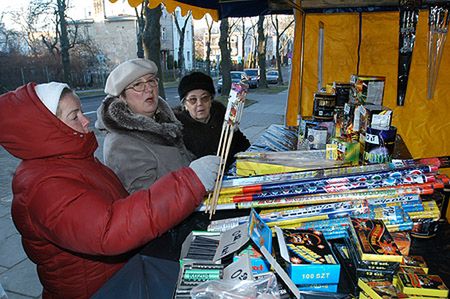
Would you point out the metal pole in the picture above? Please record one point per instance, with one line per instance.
(320, 58)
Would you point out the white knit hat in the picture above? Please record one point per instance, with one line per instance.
(49, 94)
(127, 72)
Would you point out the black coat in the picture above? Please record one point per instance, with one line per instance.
(203, 139)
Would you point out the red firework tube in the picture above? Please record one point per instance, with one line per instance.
(335, 189)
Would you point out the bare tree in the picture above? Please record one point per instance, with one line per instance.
(254, 36)
(246, 33)
(64, 37)
(152, 40)
(279, 31)
(209, 26)
(225, 63)
(27, 19)
(262, 53)
(181, 32)
(140, 18)
(9, 39)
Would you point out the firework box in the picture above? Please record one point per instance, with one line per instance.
(374, 242)
(403, 241)
(415, 261)
(347, 151)
(377, 289)
(426, 222)
(309, 257)
(307, 123)
(419, 284)
(327, 288)
(368, 89)
(374, 116)
(257, 262)
(370, 269)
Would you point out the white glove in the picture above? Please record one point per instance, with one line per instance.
(206, 169)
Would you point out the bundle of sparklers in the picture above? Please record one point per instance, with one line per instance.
(233, 116)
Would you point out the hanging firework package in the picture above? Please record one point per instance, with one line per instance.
(438, 19)
(233, 116)
(409, 14)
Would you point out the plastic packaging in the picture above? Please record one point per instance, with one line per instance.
(264, 287)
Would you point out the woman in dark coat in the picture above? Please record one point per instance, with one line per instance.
(202, 118)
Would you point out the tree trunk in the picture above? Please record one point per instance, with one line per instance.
(208, 47)
(243, 44)
(262, 53)
(140, 34)
(277, 52)
(152, 38)
(64, 40)
(225, 63)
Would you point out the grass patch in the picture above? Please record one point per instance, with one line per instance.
(224, 100)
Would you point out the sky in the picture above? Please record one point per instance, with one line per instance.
(78, 11)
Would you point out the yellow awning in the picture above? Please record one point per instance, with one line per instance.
(171, 5)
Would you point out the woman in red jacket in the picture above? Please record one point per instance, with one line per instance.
(78, 224)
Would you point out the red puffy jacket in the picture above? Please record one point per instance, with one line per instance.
(76, 220)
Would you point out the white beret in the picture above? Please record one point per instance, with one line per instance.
(49, 94)
(127, 72)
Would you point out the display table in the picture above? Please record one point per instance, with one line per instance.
(154, 271)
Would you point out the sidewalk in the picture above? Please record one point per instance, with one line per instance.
(18, 274)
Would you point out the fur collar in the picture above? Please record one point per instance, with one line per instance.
(115, 115)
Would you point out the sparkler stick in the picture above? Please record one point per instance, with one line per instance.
(438, 19)
(231, 121)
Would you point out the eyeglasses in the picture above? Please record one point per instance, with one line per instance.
(193, 100)
(140, 86)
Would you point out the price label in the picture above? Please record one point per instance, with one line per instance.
(232, 240)
(372, 139)
(239, 270)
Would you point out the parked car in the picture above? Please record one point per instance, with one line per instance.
(253, 77)
(236, 77)
(272, 77)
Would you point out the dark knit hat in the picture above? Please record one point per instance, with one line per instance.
(195, 80)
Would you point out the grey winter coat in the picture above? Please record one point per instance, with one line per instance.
(141, 149)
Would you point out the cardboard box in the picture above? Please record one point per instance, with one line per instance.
(309, 257)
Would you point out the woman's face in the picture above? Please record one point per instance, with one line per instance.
(69, 112)
(142, 95)
(198, 104)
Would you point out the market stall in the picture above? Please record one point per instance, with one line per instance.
(342, 221)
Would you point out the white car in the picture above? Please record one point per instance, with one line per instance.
(236, 77)
(272, 77)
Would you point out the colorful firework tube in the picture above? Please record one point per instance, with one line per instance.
(333, 197)
(202, 274)
(311, 189)
(306, 175)
(440, 162)
(410, 202)
(331, 228)
(411, 172)
(332, 210)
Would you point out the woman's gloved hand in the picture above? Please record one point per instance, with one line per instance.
(206, 169)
